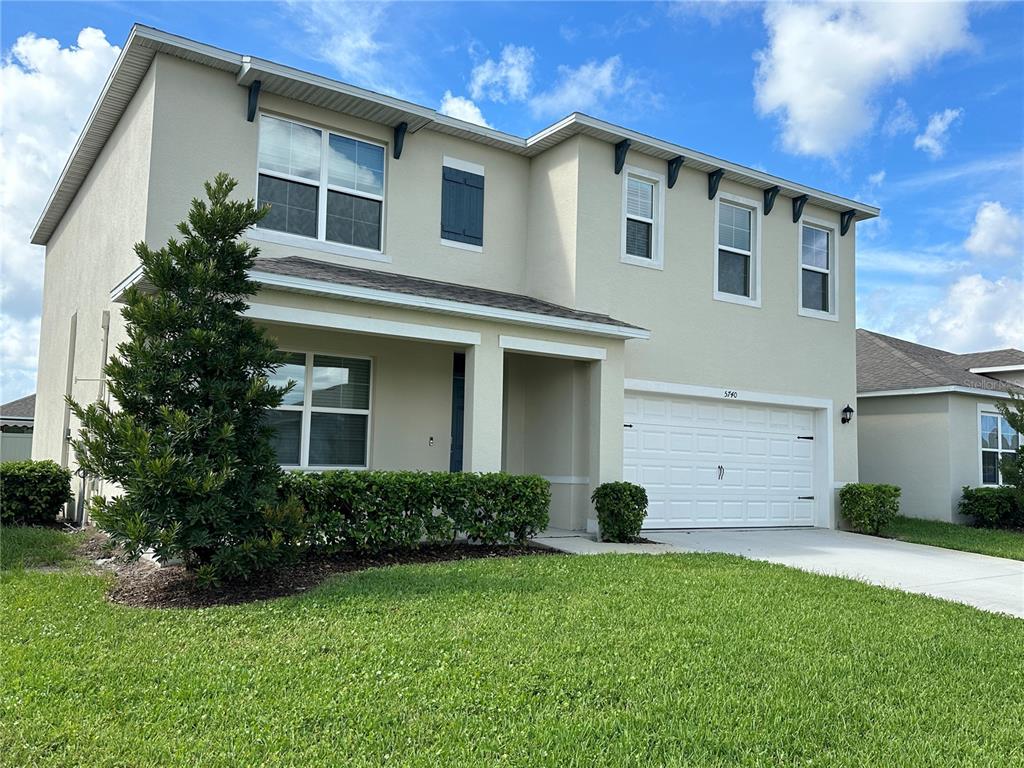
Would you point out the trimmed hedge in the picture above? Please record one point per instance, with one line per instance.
(992, 507)
(869, 507)
(621, 509)
(375, 511)
(33, 492)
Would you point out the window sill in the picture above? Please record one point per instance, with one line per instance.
(815, 314)
(636, 261)
(257, 235)
(331, 468)
(732, 298)
(462, 246)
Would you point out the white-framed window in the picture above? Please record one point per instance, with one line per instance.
(322, 186)
(643, 216)
(324, 421)
(998, 440)
(817, 279)
(738, 250)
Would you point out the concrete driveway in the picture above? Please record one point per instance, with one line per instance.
(989, 583)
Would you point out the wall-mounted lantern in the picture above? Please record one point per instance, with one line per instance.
(847, 414)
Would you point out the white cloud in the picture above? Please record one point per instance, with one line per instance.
(936, 134)
(900, 120)
(825, 63)
(508, 79)
(876, 179)
(584, 89)
(351, 37)
(977, 314)
(462, 108)
(996, 232)
(46, 93)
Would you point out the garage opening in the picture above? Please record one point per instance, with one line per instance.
(718, 464)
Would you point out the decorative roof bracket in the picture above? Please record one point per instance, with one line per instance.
(714, 178)
(254, 99)
(798, 207)
(400, 130)
(845, 220)
(769, 198)
(620, 155)
(673, 169)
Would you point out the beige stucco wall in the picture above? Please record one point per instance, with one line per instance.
(696, 339)
(552, 232)
(926, 444)
(88, 254)
(905, 441)
(188, 151)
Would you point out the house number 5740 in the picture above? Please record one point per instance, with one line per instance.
(730, 394)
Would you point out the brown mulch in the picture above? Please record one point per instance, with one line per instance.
(143, 584)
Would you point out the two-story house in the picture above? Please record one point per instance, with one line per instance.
(587, 304)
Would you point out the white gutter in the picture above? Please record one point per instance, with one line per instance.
(937, 390)
(997, 369)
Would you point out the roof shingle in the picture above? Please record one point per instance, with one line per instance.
(887, 363)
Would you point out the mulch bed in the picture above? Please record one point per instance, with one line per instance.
(143, 584)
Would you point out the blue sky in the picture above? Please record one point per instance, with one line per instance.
(918, 108)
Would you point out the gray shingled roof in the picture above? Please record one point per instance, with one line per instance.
(22, 408)
(993, 359)
(296, 266)
(887, 363)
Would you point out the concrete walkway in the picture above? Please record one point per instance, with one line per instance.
(992, 584)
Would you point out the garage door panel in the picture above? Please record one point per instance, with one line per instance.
(706, 463)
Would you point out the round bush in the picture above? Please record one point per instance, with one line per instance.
(621, 509)
(33, 492)
(869, 507)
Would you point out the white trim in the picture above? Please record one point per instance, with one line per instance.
(117, 292)
(552, 348)
(566, 479)
(446, 306)
(322, 247)
(936, 390)
(462, 165)
(357, 324)
(657, 180)
(998, 369)
(462, 246)
(754, 300)
(824, 429)
(832, 272)
(718, 393)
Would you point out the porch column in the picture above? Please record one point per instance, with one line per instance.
(606, 413)
(483, 414)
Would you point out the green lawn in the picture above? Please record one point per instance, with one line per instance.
(698, 660)
(985, 541)
(27, 547)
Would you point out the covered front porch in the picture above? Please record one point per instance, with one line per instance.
(392, 387)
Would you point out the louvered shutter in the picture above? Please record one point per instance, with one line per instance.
(462, 206)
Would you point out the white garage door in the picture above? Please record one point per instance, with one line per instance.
(710, 464)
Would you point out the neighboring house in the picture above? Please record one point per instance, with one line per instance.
(587, 304)
(16, 420)
(927, 420)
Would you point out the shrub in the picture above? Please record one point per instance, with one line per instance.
(621, 509)
(869, 507)
(33, 492)
(375, 511)
(992, 507)
(188, 441)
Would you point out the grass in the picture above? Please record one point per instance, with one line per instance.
(30, 547)
(984, 541)
(613, 660)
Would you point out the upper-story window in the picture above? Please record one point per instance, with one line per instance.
(738, 252)
(462, 204)
(817, 266)
(998, 441)
(320, 185)
(641, 226)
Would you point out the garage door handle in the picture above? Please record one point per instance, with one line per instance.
(721, 471)
(805, 498)
(628, 426)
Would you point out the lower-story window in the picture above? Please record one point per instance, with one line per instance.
(998, 440)
(324, 420)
